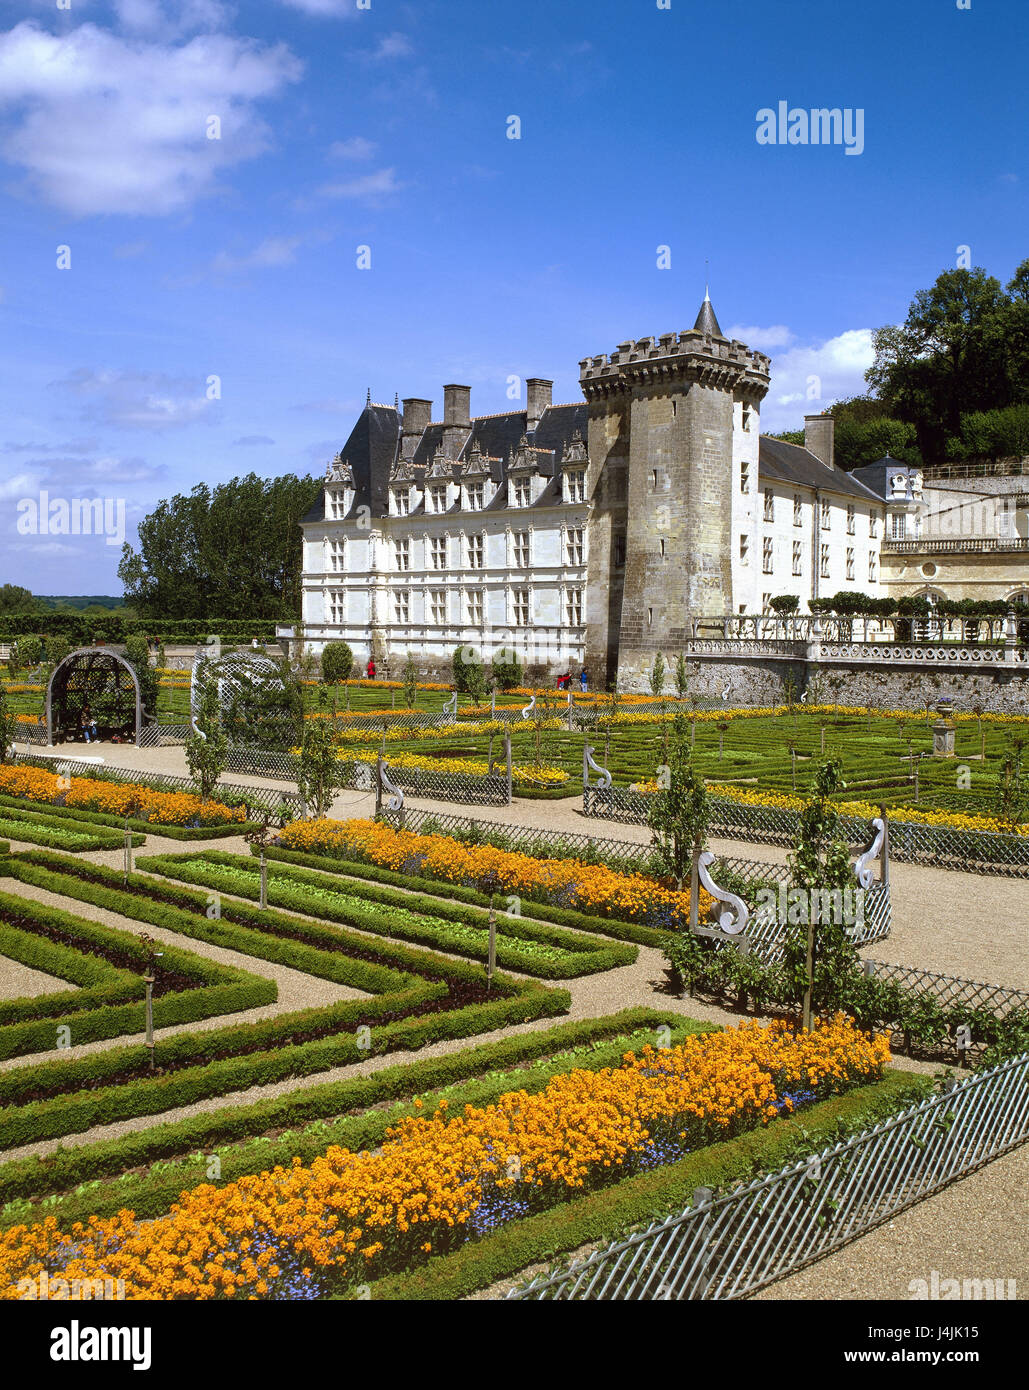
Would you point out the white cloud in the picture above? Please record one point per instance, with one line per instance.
(835, 370)
(393, 46)
(357, 147)
(762, 339)
(21, 485)
(103, 124)
(324, 9)
(139, 400)
(273, 251)
(381, 184)
(149, 17)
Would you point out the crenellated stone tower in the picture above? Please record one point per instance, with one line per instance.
(671, 422)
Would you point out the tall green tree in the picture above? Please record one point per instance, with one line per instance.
(207, 750)
(234, 548)
(679, 811)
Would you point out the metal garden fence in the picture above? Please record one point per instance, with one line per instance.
(973, 851)
(725, 1247)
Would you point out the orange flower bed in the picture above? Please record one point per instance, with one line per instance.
(438, 1181)
(116, 798)
(590, 888)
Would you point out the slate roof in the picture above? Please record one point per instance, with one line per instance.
(792, 463)
(873, 475)
(374, 442)
(707, 322)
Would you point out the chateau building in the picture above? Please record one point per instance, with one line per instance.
(954, 531)
(597, 533)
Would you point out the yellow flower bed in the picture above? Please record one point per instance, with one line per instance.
(952, 820)
(351, 1217)
(590, 888)
(115, 798)
(467, 767)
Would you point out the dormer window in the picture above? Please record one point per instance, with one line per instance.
(403, 497)
(522, 490)
(476, 496)
(438, 497)
(336, 503)
(575, 482)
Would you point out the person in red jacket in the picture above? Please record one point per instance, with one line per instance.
(371, 668)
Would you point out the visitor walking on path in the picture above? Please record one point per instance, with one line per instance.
(371, 669)
(583, 680)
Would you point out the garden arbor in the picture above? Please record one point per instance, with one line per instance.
(98, 682)
(258, 708)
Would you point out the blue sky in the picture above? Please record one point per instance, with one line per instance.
(386, 127)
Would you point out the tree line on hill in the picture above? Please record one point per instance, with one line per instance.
(951, 383)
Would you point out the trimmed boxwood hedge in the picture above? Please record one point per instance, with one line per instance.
(218, 1062)
(474, 1070)
(36, 826)
(605, 1215)
(111, 1002)
(143, 827)
(544, 912)
(287, 885)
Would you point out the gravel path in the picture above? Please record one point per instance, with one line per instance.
(19, 981)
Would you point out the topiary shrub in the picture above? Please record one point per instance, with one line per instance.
(337, 663)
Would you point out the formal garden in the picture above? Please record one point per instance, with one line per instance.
(276, 1052)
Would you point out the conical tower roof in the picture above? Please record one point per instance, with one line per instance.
(706, 320)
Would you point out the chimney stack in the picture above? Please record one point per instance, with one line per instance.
(457, 421)
(417, 414)
(539, 396)
(819, 438)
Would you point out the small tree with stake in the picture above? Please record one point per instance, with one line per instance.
(320, 774)
(679, 812)
(8, 727)
(820, 959)
(259, 837)
(207, 749)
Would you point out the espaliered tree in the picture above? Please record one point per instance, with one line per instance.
(8, 727)
(679, 813)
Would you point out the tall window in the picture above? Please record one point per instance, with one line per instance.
(473, 607)
(873, 569)
(798, 510)
(576, 484)
(520, 550)
(826, 514)
(850, 562)
(402, 553)
(438, 606)
(574, 546)
(438, 552)
(438, 497)
(337, 555)
(824, 569)
(475, 552)
(898, 525)
(850, 519)
(766, 555)
(618, 552)
(476, 496)
(769, 504)
(337, 606)
(798, 557)
(747, 412)
(337, 504)
(745, 476)
(403, 496)
(744, 549)
(573, 607)
(873, 524)
(522, 490)
(520, 607)
(401, 605)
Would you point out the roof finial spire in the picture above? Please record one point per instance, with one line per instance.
(396, 400)
(368, 399)
(707, 281)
